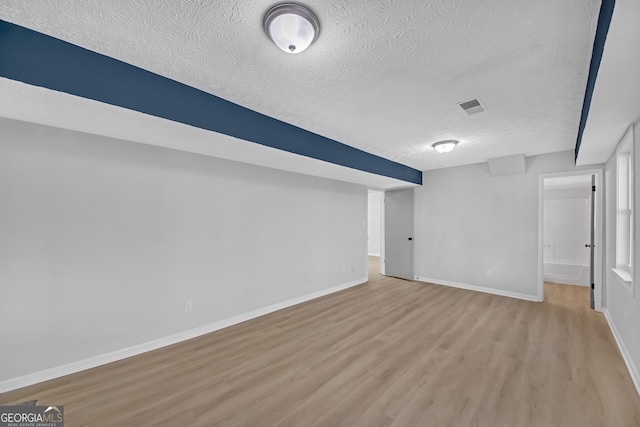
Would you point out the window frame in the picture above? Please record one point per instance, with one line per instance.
(625, 215)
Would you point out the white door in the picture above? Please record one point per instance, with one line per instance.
(398, 233)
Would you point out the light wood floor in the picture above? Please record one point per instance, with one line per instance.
(386, 353)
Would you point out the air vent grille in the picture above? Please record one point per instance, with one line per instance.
(472, 106)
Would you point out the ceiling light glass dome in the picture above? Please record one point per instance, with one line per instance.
(291, 26)
(444, 146)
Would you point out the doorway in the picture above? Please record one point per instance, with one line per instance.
(570, 232)
(398, 233)
(390, 233)
(375, 231)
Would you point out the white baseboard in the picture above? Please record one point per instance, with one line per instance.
(564, 280)
(633, 371)
(103, 359)
(372, 254)
(500, 292)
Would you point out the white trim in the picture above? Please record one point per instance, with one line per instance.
(633, 371)
(383, 231)
(500, 292)
(564, 280)
(598, 237)
(624, 275)
(103, 359)
(625, 245)
(371, 254)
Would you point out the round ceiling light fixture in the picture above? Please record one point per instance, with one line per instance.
(291, 26)
(445, 146)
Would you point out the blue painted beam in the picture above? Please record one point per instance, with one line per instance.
(604, 21)
(40, 60)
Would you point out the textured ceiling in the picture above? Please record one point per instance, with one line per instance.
(383, 76)
(616, 97)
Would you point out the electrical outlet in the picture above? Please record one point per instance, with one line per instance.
(188, 306)
(489, 273)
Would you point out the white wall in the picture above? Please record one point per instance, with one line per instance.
(102, 241)
(621, 308)
(468, 222)
(566, 226)
(375, 210)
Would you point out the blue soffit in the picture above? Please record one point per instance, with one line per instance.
(604, 21)
(37, 59)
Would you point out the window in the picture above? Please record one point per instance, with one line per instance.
(624, 205)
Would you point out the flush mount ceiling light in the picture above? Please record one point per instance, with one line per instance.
(292, 27)
(444, 146)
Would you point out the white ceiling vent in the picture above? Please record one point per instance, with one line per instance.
(473, 106)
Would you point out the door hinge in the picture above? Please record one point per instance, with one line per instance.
(593, 188)
(593, 286)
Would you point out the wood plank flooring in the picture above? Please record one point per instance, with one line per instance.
(386, 353)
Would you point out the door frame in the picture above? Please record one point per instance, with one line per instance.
(383, 230)
(598, 237)
(380, 208)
